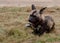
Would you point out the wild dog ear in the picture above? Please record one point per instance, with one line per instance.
(33, 7)
(41, 11)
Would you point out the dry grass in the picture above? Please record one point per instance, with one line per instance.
(13, 30)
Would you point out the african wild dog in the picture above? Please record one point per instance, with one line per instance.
(37, 19)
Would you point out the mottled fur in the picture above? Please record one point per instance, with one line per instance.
(37, 18)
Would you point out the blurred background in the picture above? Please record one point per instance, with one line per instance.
(48, 3)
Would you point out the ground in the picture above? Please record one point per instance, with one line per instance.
(13, 30)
